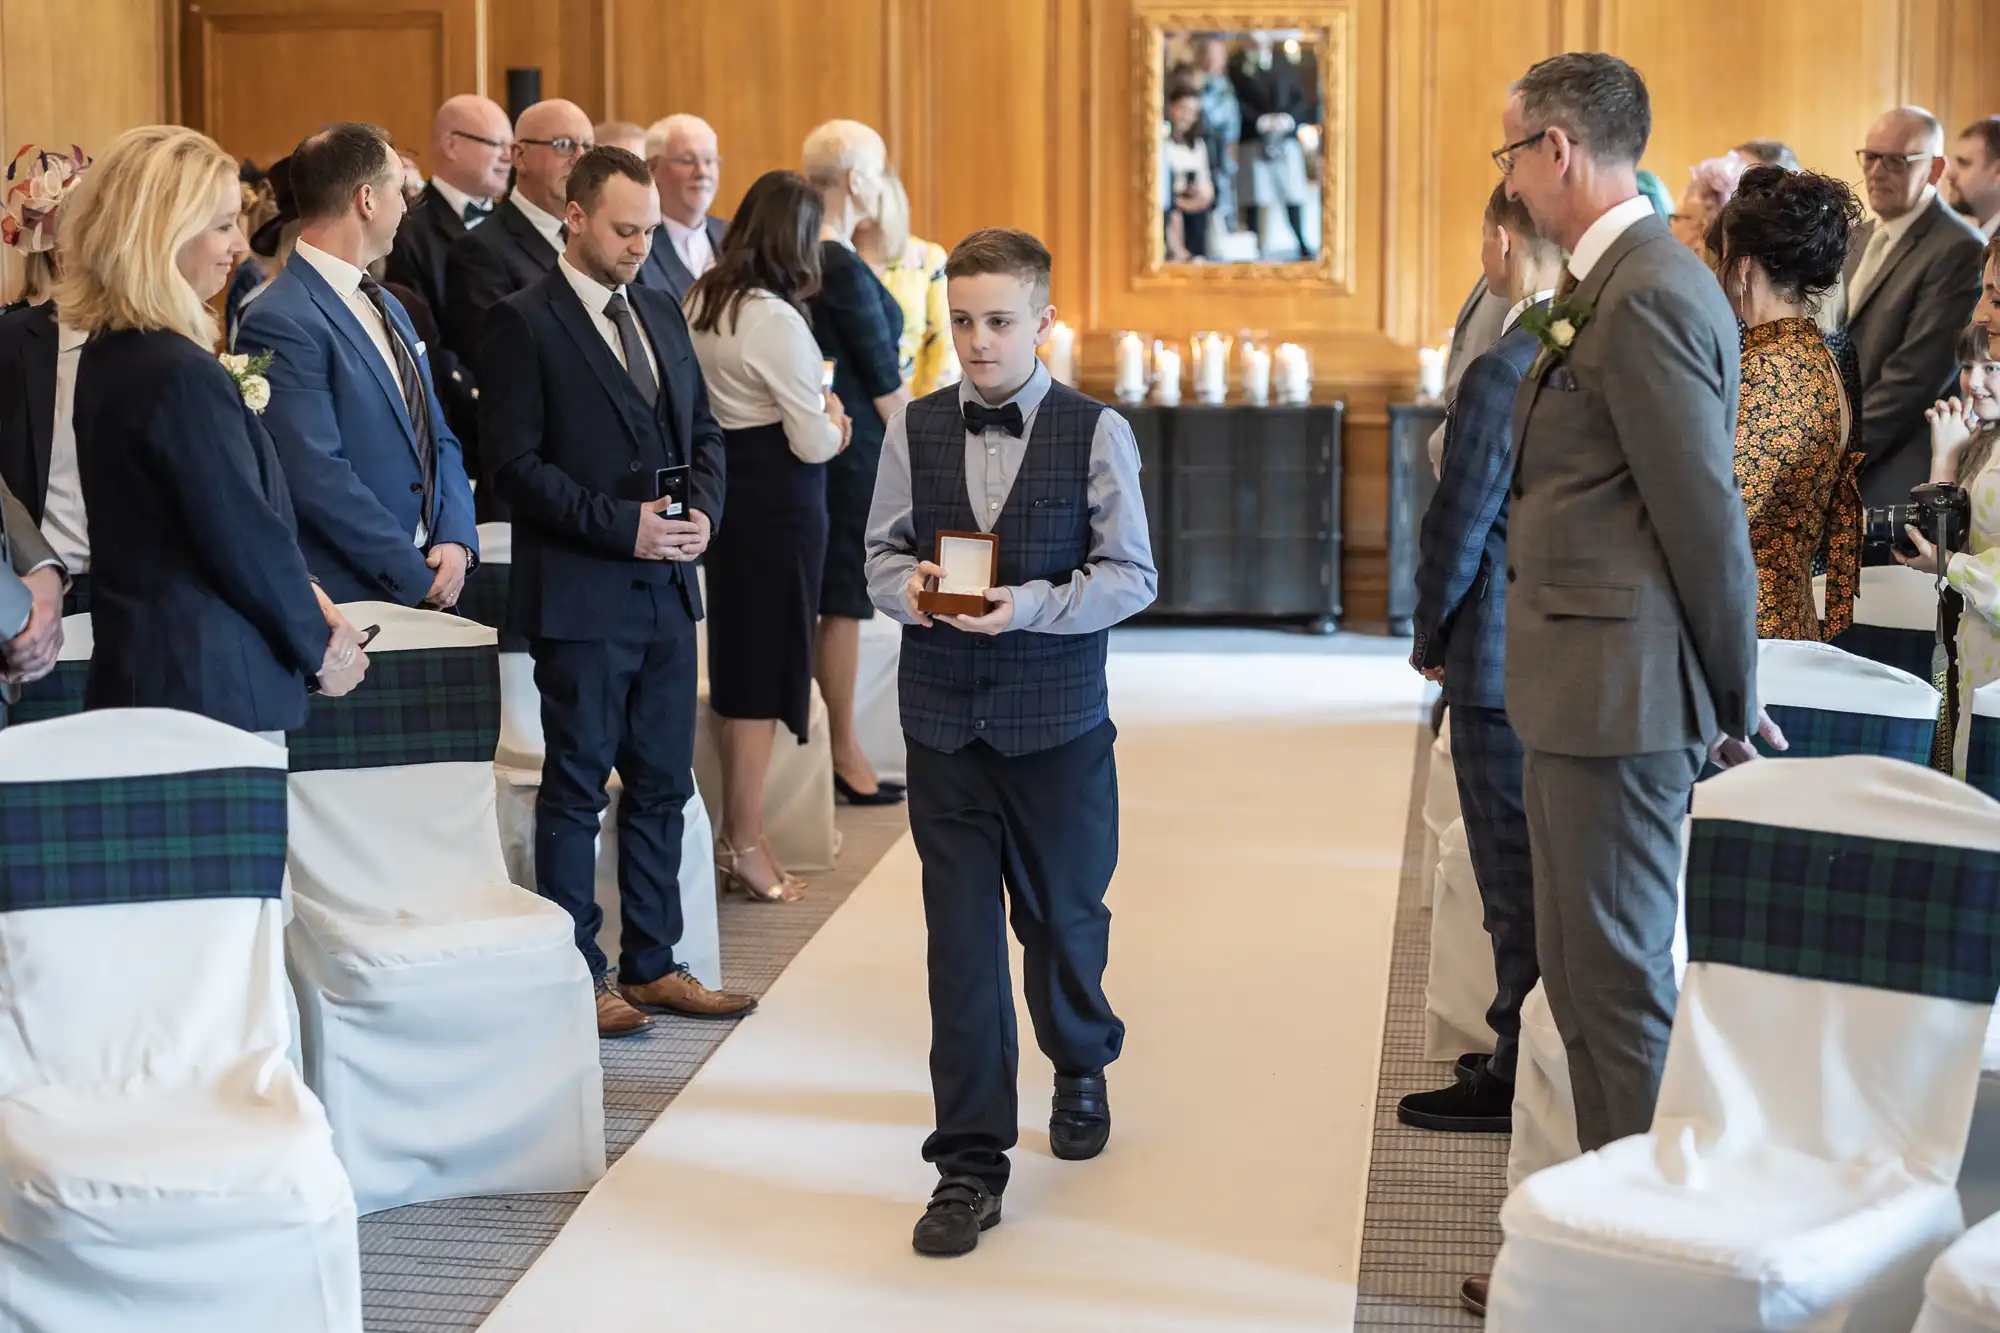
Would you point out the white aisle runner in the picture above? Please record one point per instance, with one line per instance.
(1264, 809)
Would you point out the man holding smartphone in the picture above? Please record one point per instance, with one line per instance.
(616, 484)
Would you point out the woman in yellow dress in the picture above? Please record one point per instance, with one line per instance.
(913, 271)
(1780, 243)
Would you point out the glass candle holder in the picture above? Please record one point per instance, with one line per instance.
(1291, 373)
(1059, 354)
(1166, 373)
(1129, 368)
(1253, 366)
(1209, 361)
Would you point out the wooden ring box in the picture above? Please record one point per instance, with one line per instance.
(971, 561)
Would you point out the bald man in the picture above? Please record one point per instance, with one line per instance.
(1912, 280)
(516, 247)
(472, 149)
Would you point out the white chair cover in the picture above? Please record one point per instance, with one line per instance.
(1895, 618)
(878, 713)
(1440, 803)
(163, 1169)
(1962, 1293)
(1460, 986)
(518, 776)
(446, 1015)
(1544, 1105)
(1800, 1169)
(1979, 1180)
(1830, 702)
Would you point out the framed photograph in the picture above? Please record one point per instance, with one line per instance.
(971, 561)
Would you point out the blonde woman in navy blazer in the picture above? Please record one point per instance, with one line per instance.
(201, 600)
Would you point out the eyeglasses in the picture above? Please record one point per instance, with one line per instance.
(688, 161)
(563, 147)
(1503, 158)
(1896, 162)
(501, 144)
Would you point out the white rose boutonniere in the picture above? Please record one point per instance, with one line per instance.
(248, 372)
(1562, 333)
(1555, 327)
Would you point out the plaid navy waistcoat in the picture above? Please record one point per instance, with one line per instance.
(1019, 692)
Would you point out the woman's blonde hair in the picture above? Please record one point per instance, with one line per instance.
(152, 191)
(892, 219)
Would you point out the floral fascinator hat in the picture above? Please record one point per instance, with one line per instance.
(36, 184)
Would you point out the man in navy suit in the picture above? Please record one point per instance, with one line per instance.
(1461, 635)
(384, 507)
(686, 163)
(597, 427)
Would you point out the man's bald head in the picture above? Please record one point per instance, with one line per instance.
(548, 139)
(472, 145)
(1902, 155)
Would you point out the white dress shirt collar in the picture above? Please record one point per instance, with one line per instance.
(1989, 227)
(594, 294)
(1897, 228)
(1597, 238)
(550, 226)
(1521, 307)
(343, 277)
(1028, 397)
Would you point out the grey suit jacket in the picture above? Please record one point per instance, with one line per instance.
(1905, 329)
(1631, 619)
(1477, 329)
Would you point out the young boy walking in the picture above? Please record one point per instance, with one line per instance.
(1012, 780)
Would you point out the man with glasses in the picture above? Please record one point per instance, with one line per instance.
(1912, 280)
(686, 162)
(472, 148)
(518, 246)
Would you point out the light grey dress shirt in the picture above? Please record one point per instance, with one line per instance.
(1118, 579)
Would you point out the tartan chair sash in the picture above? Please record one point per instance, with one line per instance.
(1917, 918)
(58, 694)
(1820, 733)
(484, 599)
(421, 706)
(216, 833)
(1982, 761)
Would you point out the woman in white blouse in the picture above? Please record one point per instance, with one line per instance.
(781, 425)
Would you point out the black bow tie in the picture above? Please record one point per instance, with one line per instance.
(475, 212)
(979, 417)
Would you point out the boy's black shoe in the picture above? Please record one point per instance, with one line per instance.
(1470, 1063)
(1080, 1121)
(1481, 1104)
(959, 1210)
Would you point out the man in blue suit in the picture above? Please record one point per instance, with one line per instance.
(377, 477)
(1461, 626)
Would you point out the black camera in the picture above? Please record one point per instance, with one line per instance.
(1938, 509)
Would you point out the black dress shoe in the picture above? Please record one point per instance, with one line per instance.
(1470, 1063)
(959, 1210)
(1080, 1118)
(1481, 1104)
(885, 793)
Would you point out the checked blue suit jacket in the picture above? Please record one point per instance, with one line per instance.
(349, 452)
(1461, 620)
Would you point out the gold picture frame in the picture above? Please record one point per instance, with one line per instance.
(1330, 29)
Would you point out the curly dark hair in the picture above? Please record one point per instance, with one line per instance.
(1794, 224)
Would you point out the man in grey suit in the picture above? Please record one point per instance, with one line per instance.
(1912, 280)
(32, 583)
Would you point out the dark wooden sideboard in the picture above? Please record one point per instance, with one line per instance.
(1244, 507)
(1411, 485)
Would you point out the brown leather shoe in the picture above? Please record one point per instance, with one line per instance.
(1472, 1293)
(615, 1018)
(679, 993)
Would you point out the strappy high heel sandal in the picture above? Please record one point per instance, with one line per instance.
(728, 867)
(792, 881)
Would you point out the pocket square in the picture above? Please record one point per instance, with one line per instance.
(1561, 380)
(420, 347)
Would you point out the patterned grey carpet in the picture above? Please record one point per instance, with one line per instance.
(1433, 1199)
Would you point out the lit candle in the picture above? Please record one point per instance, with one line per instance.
(1430, 373)
(1062, 353)
(1294, 377)
(1212, 370)
(1131, 380)
(1256, 374)
(1166, 375)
